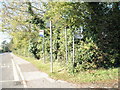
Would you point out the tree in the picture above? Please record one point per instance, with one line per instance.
(97, 49)
(5, 46)
(105, 27)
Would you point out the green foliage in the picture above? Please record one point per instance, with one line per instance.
(97, 49)
(90, 76)
(5, 47)
(105, 27)
(88, 55)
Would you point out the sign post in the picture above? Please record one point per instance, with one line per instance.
(41, 33)
(51, 59)
(77, 34)
(66, 45)
(49, 25)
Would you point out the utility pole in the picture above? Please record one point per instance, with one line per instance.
(66, 45)
(51, 59)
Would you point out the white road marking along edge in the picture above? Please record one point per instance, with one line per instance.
(6, 81)
(4, 66)
(22, 77)
(16, 77)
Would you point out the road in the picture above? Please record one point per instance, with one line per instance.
(9, 77)
(18, 73)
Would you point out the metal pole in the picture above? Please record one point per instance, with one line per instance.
(73, 51)
(4, 48)
(24, 52)
(51, 48)
(44, 49)
(28, 50)
(29, 39)
(66, 45)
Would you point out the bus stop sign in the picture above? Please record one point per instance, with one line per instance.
(41, 33)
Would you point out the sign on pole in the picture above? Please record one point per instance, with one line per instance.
(41, 33)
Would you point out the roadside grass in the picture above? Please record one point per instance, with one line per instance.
(91, 76)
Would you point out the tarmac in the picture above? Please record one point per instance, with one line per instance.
(33, 78)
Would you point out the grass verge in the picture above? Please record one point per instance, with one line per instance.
(93, 76)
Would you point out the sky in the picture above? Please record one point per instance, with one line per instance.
(4, 36)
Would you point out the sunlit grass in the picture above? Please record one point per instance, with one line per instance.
(101, 75)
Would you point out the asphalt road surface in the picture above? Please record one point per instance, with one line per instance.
(16, 72)
(9, 76)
